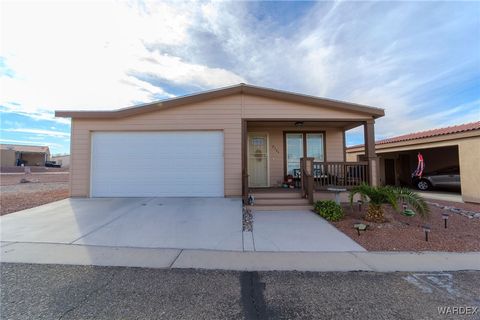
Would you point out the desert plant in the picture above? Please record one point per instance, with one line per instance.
(378, 196)
(329, 210)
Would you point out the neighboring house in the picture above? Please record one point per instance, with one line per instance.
(63, 160)
(216, 143)
(441, 148)
(14, 155)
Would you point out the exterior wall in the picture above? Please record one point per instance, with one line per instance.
(255, 107)
(469, 155)
(353, 156)
(7, 158)
(344, 197)
(220, 114)
(64, 161)
(276, 162)
(34, 159)
(217, 114)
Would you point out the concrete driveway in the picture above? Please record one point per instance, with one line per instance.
(298, 231)
(187, 223)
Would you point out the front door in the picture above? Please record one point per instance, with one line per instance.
(258, 160)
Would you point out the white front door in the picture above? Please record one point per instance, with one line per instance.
(157, 164)
(258, 160)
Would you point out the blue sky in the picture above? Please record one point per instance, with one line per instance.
(418, 60)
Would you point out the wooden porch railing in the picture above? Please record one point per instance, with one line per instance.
(339, 174)
(323, 175)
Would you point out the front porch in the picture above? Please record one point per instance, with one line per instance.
(306, 158)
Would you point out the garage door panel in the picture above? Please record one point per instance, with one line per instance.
(143, 164)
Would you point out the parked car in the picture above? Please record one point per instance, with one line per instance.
(444, 178)
(52, 164)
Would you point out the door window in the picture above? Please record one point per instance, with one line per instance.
(315, 146)
(294, 151)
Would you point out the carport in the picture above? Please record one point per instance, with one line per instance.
(396, 167)
(441, 148)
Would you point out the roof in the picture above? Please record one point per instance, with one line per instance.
(22, 148)
(217, 93)
(428, 134)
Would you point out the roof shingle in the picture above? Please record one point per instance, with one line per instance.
(428, 133)
(433, 133)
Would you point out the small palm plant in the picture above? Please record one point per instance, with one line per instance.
(378, 196)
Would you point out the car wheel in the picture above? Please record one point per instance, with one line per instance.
(423, 185)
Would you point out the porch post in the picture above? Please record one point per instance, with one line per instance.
(369, 137)
(308, 175)
(244, 162)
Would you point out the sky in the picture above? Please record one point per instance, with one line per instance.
(420, 61)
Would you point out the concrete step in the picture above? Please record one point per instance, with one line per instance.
(280, 201)
(279, 207)
(276, 195)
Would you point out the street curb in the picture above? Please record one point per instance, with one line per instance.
(52, 253)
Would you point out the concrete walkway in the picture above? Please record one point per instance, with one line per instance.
(298, 231)
(45, 253)
(178, 223)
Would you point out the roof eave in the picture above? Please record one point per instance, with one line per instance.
(206, 95)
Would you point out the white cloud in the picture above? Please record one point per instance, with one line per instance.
(79, 55)
(50, 133)
(30, 142)
(410, 58)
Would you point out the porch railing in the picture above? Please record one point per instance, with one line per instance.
(339, 174)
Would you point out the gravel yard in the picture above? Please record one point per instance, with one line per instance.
(42, 188)
(401, 233)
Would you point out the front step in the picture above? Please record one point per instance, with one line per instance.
(276, 195)
(280, 201)
(280, 207)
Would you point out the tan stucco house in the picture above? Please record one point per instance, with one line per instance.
(224, 142)
(13, 155)
(455, 146)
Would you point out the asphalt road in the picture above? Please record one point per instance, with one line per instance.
(81, 292)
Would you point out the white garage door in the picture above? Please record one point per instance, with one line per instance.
(157, 164)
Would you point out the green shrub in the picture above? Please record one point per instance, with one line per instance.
(329, 210)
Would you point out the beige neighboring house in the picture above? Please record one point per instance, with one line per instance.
(441, 148)
(63, 160)
(224, 142)
(13, 155)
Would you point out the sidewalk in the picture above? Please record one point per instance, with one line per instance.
(48, 253)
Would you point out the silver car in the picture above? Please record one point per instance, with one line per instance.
(445, 178)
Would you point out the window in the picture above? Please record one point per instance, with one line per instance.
(303, 144)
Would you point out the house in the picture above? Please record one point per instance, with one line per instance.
(224, 142)
(63, 160)
(457, 146)
(14, 155)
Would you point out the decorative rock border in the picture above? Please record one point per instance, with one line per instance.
(465, 213)
(247, 219)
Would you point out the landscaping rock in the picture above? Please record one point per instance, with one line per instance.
(247, 220)
(401, 233)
